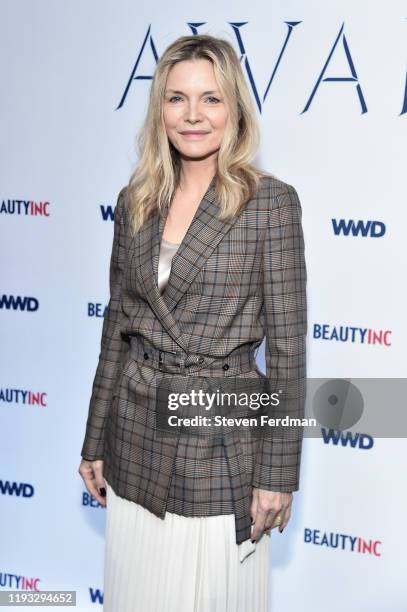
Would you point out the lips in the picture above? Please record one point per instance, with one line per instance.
(190, 133)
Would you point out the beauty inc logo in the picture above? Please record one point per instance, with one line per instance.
(25, 208)
(351, 334)
(13, 582)
(342, 542)
(23, 397)
(42, 209)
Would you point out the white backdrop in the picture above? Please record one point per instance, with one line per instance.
(75, 79)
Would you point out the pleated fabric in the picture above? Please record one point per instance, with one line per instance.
(180, 564)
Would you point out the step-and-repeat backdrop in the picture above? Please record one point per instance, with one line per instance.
(329, 85)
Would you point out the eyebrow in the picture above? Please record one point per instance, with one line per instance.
(204, 93)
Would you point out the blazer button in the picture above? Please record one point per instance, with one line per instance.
(201, 360)
(225, 366)
(145, 355)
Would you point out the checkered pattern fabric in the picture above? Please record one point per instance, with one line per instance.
(231, 283)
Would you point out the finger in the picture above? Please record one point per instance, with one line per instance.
(99, 480)
(286, 518)
(253, 512)
(270, 521)
(259, 523)
(89, 477)
(253, 507)
(272, 518)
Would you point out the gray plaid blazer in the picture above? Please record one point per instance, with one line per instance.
(231, 283)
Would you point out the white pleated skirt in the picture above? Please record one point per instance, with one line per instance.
(180, 564)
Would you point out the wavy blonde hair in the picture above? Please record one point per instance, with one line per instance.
(153, 183)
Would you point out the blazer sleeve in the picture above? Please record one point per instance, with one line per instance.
(277, 464)
(112, 345)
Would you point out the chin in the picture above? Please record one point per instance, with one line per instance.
(194, 154)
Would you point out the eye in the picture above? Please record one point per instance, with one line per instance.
(213, 98)
(172, 98)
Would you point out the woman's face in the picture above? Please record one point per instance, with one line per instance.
(195, 115)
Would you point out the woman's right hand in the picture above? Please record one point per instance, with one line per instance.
(92, 474)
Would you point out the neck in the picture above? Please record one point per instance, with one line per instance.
(195, 178)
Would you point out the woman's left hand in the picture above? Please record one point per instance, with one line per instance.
(265, 507)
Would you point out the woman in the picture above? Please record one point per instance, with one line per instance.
(208, 256)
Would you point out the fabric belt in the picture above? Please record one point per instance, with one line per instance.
(179, 362)
(238, 361)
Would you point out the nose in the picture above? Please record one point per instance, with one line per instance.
(193, 112)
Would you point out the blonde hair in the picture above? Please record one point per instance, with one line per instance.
(153, 183)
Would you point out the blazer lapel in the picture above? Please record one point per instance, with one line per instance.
(203, 235)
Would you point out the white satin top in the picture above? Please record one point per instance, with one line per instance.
(167, 252)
